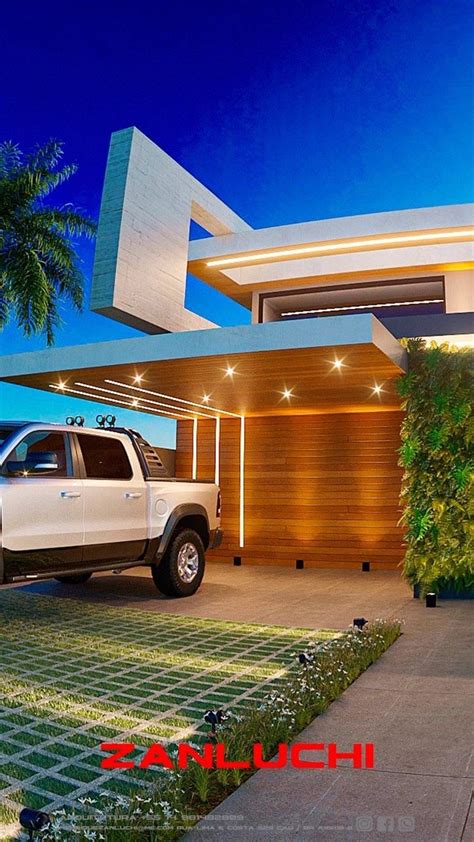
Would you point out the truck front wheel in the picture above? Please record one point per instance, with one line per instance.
(180, 571)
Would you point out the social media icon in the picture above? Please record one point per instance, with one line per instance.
(385, 824)
(364, 824)
(406, 824)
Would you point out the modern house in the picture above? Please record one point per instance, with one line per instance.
(297, 414)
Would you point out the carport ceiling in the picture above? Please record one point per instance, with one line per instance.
(343, 378)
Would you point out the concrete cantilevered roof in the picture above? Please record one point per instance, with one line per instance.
(176, 370)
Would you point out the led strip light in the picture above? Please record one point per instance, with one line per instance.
(192, 412)
(362, 307)
(208, 409)
(113, 401)
(217, 451)
(401, 239)
(241, 495)
(195, 444)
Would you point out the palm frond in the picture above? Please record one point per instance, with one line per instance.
(46, 156)
(67, 220)
(51, 180)
(10, 157)
(38, 261)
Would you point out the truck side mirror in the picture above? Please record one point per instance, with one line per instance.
(35, 463)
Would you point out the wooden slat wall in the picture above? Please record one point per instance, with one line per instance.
(322, 488)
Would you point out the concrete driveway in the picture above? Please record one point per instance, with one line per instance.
(278, 595)
(416, 704)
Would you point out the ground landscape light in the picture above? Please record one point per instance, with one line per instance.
(359, 622)
(33, 820)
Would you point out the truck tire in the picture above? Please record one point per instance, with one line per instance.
(180, 571)
(78, 579)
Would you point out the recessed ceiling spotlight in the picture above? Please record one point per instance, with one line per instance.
(206, 398)
(338, 364)
(287, 394)
(376, 390)
(138, 378)
(230, 371)
(61, 385)
(135, 402)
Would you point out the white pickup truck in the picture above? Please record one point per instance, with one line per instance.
(75, 500)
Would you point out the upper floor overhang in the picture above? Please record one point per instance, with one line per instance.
(421, 241)
(143, 251)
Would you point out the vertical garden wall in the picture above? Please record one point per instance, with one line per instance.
(437, 453)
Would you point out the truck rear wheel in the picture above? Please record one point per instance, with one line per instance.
(180, 571)
(79, 579)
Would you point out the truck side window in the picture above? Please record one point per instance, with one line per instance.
(37, 447)
(104, 458)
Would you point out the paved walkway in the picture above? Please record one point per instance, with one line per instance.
(415, 704)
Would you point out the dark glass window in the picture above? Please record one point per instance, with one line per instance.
(6, 432)
(104, 458)
(41, 447)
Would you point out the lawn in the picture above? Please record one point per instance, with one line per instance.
(73, 675)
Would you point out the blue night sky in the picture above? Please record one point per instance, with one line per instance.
(287, 112)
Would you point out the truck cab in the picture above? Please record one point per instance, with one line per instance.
(76, 500)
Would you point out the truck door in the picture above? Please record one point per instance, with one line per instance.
(43, 518)
(115, 500)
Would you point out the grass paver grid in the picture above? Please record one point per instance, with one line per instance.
(145, 702)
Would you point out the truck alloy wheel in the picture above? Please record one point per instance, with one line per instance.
(180, 571)
(188, 562)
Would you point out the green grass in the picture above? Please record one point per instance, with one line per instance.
(73, 675)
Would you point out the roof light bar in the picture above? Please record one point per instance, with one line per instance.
(362, 307)
(113, 400)
(365, 242)
(173, 398)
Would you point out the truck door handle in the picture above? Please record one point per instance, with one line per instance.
(70, 493)
(132, 495)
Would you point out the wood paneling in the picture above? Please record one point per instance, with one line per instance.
(255, 389)
(323, 488)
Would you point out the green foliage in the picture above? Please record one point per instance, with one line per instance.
(437, 454)
(38, 263)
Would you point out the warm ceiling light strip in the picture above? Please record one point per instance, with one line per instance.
(242, 484)
(195, 447)
(365, 242)
(217, 451)
(362, 307)
(132, 406)
(143, 400)
(173, 398)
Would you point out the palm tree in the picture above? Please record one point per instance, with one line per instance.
(38, 262)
